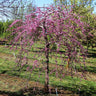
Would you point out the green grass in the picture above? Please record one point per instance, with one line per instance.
(68, 83)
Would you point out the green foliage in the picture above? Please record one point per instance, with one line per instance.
(52, 46)
(4, 33)
(90, 19)
(75, 2)
(1, 27)
(84, 8)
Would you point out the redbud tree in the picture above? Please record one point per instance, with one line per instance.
(53, 25)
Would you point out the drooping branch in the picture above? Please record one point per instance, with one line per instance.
(59, 24)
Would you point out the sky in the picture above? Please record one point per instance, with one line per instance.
(41, 3)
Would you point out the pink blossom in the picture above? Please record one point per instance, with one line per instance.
(14, 22)
(27, 68)
(56, 26)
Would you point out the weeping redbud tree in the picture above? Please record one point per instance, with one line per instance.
(53, 25)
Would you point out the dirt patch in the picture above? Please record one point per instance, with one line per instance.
(3, 95)
(6, 56)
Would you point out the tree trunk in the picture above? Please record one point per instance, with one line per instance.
(46, 87)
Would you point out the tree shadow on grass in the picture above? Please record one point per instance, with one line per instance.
(91, 69)
(88, 69)
(11, 93)
(37, 92)
(92, 49)
(93, 55)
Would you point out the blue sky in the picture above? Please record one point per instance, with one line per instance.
(41, 3)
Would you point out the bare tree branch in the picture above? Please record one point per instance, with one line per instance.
(7, 5)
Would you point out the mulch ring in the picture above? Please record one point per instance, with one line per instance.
(16, 86)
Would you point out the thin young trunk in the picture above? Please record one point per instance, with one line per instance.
(46, 87)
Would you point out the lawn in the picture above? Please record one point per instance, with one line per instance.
(13, 81)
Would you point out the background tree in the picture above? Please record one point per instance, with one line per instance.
(14, 12)
(6, 5)
(18, 12)
(90, 34)
(30, 7)
(12, 9)
(4, 25)
(85, 9)
(78, 3)
(22, 10)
